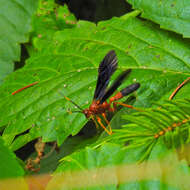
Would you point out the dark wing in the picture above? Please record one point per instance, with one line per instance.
(115, 85)
(106, 68)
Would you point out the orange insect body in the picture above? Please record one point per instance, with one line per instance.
(97, 108)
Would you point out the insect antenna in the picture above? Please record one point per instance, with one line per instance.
(68, 99)
(76, 111)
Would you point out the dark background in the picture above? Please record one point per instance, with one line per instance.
(91, 10)
(96, 10)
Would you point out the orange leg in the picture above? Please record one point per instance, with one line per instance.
(108, 123)
(126, 105)
(95, 122)
(102, 125)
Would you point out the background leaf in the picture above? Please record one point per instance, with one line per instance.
(49, 18)
(15, 24)
(117, 169)
(68, 67)
(9, 166)
(171, 15)
(64, 55)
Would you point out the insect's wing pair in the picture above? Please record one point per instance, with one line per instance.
(106, 68)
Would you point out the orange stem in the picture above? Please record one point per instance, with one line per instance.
(177, 89)
(21, 89)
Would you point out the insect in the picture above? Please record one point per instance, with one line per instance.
(100, 105)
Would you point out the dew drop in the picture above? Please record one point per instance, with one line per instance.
(48, 119)
(64, 85)
(87, 102)
(134, 80)
(89, 87)
(79, 70)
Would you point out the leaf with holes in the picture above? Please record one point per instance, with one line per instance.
(159, 60)
(49, 18)
(171, 15)
(15, 24)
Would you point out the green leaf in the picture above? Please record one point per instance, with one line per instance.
(49, 18)
(9, 166)
(90, 159)
(113, 167)
(171, 15)
(15, 24)
(68, 67)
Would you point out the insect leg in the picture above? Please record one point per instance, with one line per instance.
(102, 125)
(68, 99)
(126, 105)
(108, 123)
(93, 118)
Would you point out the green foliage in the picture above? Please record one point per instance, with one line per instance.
(171, 15)
(64, 55)
(82, 48)
(9, 166)
(112, 166)
(169, 121)
(15, 23)
(48, 19)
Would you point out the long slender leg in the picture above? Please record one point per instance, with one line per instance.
(102, 125)
(108, 123)
(126, 105)
(93, 118)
